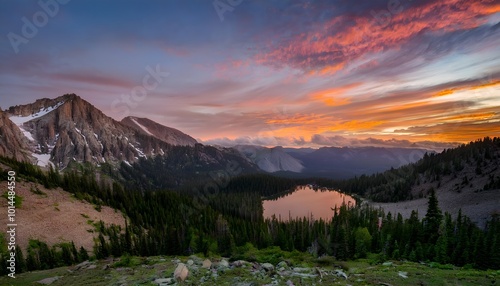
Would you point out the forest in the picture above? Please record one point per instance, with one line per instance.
(224, 219)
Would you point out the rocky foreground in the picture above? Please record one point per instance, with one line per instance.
(194, 270)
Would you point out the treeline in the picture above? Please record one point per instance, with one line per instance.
(395, 184)
(181, 166)
(39, 256)
(219, 217)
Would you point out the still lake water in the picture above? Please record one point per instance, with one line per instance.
(305, 201)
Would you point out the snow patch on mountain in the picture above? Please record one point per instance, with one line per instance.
(141, 126)
(270, 159)
(20, 120)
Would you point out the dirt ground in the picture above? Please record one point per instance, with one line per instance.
(452, 195)
(55, 217)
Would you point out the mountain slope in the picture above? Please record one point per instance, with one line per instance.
(347, 162)
(163, 133)
(68, 128)
(12, 141)
(55, 216)
(270, 159)
(467, 178)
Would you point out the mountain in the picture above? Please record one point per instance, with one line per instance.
(347, 162)
(466, 178)
(68, 129)
(166, 134)
(12, 141)
(270, 159)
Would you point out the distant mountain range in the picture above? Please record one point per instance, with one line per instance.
(329, 162)
(68, 129)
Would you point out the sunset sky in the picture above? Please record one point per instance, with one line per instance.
(292, 73)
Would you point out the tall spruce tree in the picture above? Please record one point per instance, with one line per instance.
(432, 218)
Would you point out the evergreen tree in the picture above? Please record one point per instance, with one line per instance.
(432, 218)
(20, 261)
(82, 254)
(363, 241)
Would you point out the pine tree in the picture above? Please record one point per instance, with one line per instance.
(82, 254)
(432, 218)
(74, 252)
(20, 261)
(32, 262)
(66, 254)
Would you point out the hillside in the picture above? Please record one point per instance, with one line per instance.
(12, 136)
(270, 159)
(348, 162)
(305, 270)
(466, 177)
(55, 216)
(166, 134)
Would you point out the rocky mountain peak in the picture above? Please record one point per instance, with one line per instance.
(68, 128)
(166, 134)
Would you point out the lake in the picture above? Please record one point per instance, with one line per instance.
(305, 201)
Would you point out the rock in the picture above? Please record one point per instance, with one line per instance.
(92, 266)
(320, 273)
(403, 274)
(267, 266)
(340, 273)
(282, 264)
(105, 267)
(387, 263)
(207, 263)
(301, 269)
(304, 275)
(190, 262)
(240, 263)
(289, 283)
(48, 281)
(181, 272)
(164, 281)
(223, 263)
(82, 265)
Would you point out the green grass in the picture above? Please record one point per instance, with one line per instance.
(132, 270)
(18, 200)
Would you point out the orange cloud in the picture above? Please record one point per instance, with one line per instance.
(335, 45)
(333, 97)
(474, 87)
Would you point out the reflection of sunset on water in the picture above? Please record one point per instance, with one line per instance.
(305, 202)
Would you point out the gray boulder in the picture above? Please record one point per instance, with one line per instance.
(181, 272)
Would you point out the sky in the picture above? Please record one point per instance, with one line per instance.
(291, 73)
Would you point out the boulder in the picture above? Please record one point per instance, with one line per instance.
(164, 281)
(239, 263)
(267, 266)
(181, 272)
(206, 263)
(223, 263)
(340, 273)
(48, 281)
(282, 264)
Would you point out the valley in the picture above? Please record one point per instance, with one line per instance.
(135, 189)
